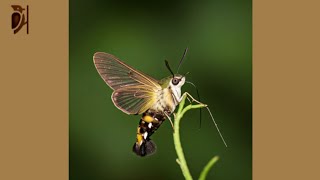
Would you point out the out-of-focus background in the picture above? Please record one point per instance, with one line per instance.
(144, 34)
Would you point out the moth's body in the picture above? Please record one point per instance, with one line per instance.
(166, 101)
(137, 93)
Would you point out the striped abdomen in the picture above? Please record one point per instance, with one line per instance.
(149, 123)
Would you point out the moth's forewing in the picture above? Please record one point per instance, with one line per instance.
(134, 91)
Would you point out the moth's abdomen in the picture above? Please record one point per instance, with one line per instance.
(148, 124)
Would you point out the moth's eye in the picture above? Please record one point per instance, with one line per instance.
(175, 81)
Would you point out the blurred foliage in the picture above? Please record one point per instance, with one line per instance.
(144, 34)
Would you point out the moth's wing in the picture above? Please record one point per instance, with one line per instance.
(117, 74)
(134, 91)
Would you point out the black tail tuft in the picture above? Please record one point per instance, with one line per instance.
(148, 147)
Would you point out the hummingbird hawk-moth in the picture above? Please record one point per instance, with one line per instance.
(136, 93)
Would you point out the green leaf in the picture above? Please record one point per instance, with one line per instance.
(207, 168)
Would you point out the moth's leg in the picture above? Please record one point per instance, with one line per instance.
(186, 94)
(169, 120)
(179, 100)
(189, 100)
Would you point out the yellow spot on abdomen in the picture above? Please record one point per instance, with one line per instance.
(139, 136)
(139, 139)
(148, 119)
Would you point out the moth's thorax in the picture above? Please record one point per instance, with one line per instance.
(165, 101)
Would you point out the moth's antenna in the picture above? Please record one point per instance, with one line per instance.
(217, 127)
(184, 55)
(167, 64)
(198, 97)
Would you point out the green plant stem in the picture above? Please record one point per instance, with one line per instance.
(177, 143)
(176, 136)
(207, 168)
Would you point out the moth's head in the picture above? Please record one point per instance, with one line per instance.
(177, 81)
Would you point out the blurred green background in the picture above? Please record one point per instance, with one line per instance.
(144, 34)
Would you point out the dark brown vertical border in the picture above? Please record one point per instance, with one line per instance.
(34, 92)
(286, 81)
